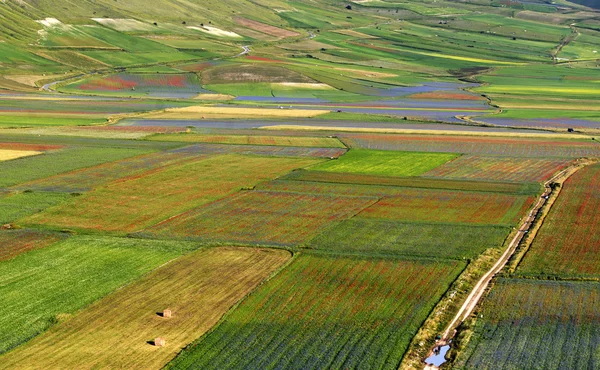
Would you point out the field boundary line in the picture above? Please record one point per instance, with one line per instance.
(479, 289)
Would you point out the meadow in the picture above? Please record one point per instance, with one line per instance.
(317, 142)
(15, 242)
(326, 312)
(16, 205)
(198, 289)
(568, 241)
(536, 325)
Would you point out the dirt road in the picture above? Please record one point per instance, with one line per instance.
(477, 292)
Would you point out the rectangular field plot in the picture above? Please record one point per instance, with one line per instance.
(515, 147)
(450, 206)
(45, 285)
(535, 324)
(89, 178)
(139, 201)
(367, 237)
(413, 182)
(114, 332)
(266, 150)
(258, 217)
(326, 313)
(15, 242)
(60, 161)
(14, 206)
(387, 163)
(475, 167)
(299, 141)
(568, 243)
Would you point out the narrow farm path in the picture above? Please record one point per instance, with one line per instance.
(471, 302)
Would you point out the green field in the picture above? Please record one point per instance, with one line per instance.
(46, 286)
(14, 206)
(384, 237)
(375, 162)
(60, 161)
(326, 312)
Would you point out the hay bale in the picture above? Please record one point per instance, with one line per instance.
(160, 342)
(167, 314)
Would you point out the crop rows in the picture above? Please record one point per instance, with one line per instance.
(450, 206)
(515, 147)
(387, 163)
(368, 236)
(89, 178)
(294, 141)
(533, 324)
(259, 217)
(267, 150)
(15, 242)
(60, 161)
(413, 182)
(138, 201)
(43, 286)
(568, 242)
(198, 289)
(326, 312)
(475, 167)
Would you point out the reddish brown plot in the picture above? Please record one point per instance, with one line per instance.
(260, 217)
(265, 28)
(15, 242)
(568, 243)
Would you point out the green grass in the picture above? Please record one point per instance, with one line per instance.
(52, 163)
(18, 205)
(373, 237)
(44, 286)
(387, 163)
(28, 121)
(326, 312)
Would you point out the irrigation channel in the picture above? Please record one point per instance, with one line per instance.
(433, 358)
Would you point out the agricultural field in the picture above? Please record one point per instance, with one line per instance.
(169, 85)
(502, 146)
(138, 200)
(450, 206)
(58, 280)
(377, 162)
(317, 142)
(198, 289)
(259, 217)
(475, 167)
(305, 184)
(326, 312)
(533, 324)
(568, 242)
(16, 242)
(59, 161)
(388, 237)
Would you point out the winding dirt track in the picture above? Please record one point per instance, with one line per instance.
(477, 292)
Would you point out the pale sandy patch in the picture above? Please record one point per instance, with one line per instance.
(123, 24)
(215, 31)
(366, 73)
(303, 85)
(213, 97)
(8, 154)
(50, 22)
(199, 112)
